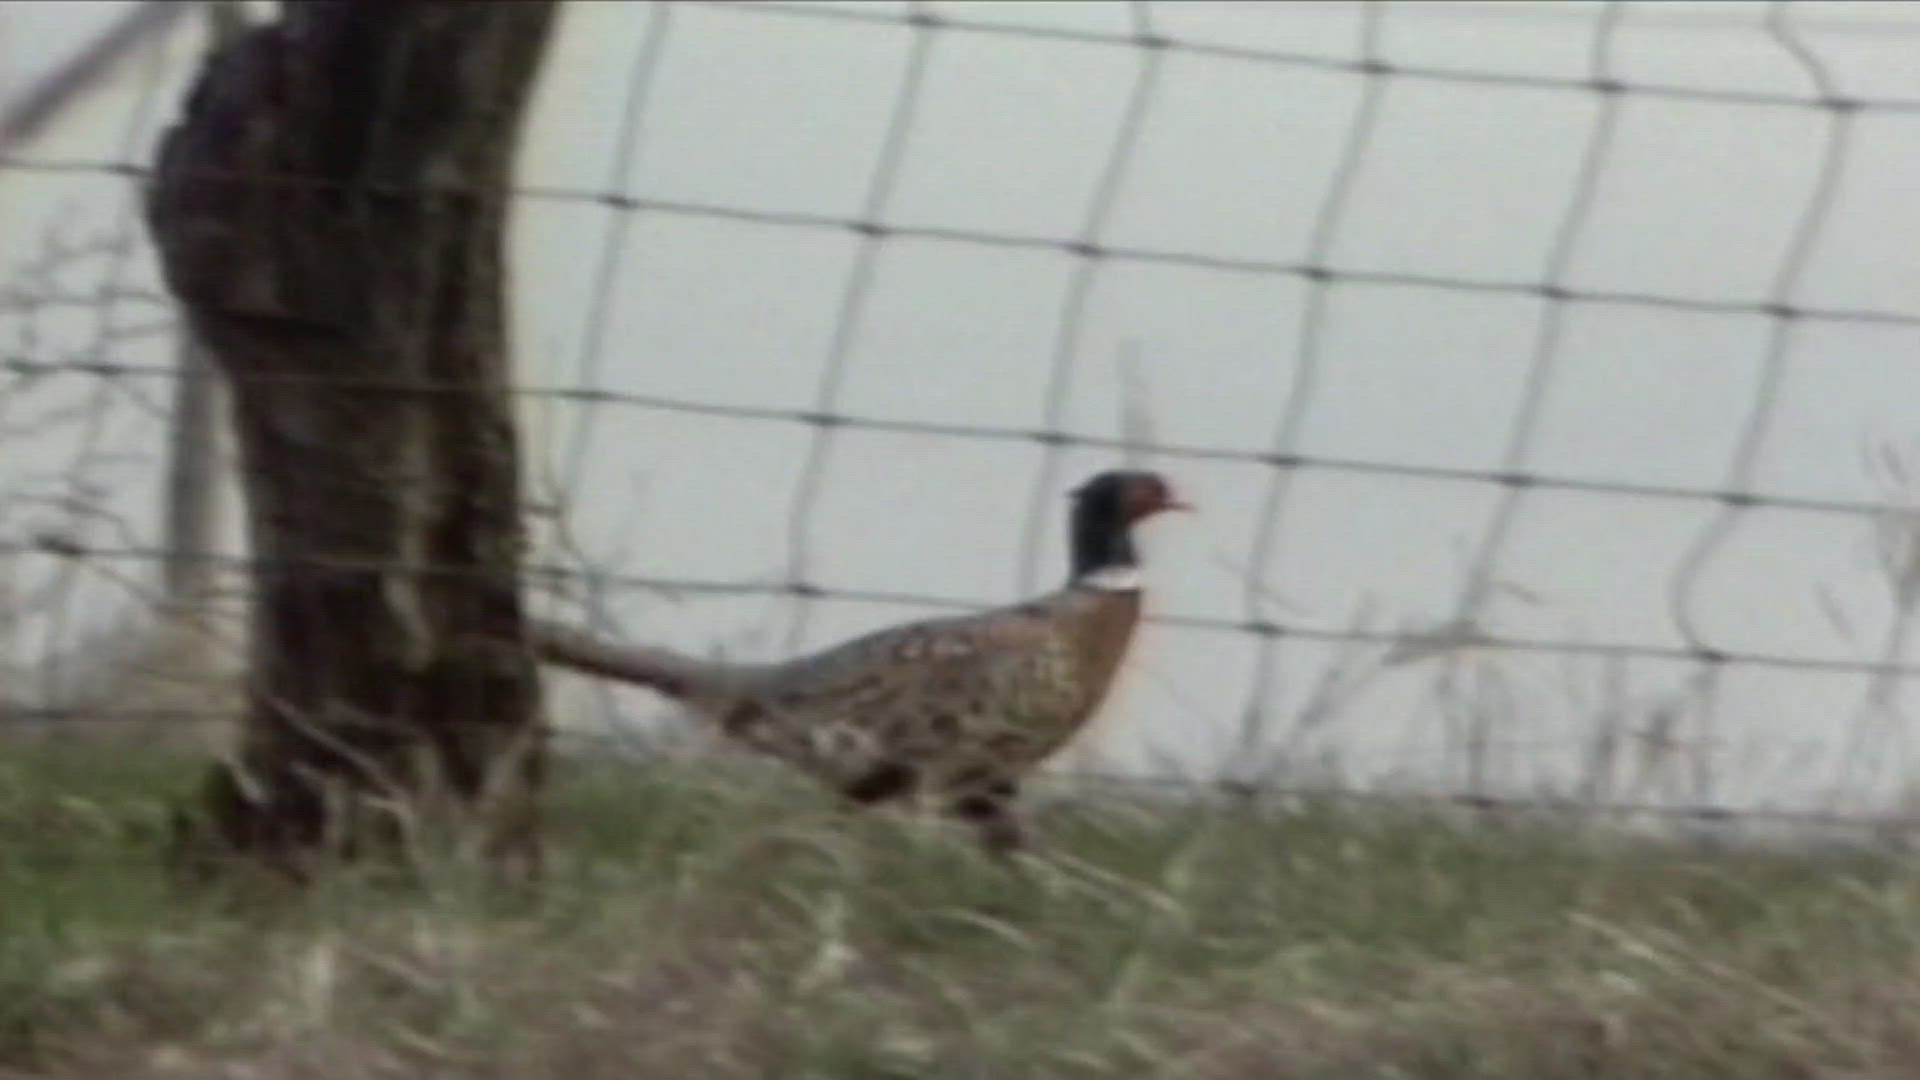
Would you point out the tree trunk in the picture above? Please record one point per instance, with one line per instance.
(330, 212)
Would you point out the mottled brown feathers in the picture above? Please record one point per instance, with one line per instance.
(958, 707)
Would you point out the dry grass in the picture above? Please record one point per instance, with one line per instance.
(729, 923)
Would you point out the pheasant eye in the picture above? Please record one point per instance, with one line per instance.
(1143, 495)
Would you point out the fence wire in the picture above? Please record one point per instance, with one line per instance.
(1516, 479)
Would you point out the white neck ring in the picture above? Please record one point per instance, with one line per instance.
(1112, 579)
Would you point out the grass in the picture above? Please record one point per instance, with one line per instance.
(728, 922)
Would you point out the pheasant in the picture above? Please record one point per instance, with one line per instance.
(960, 707)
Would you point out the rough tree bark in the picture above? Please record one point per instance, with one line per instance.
(330, 212)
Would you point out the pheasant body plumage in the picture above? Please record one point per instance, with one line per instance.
(959, 706)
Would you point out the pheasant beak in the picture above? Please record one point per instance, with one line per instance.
(1167, 500)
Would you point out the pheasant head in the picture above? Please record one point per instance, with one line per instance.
(1105, 510)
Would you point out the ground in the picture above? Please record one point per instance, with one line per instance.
(727, 922)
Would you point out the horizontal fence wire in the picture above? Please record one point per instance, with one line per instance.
(1081, 787)
(1516, 478)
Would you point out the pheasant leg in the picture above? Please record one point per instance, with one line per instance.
(887, 780)
(989, 809)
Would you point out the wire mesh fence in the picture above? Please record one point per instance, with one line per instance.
(1672, 677)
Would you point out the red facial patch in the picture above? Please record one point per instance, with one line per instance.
(1150, 495)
